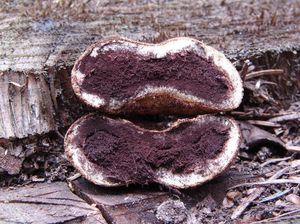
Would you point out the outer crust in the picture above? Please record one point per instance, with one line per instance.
(216, 166)
(172, 101)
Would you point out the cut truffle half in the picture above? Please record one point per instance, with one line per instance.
(187, 153)
(178, 76)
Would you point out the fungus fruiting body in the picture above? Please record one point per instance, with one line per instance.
(180, 76)
(112, 152)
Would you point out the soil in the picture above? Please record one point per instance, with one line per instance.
(127, 153)
(120, 74)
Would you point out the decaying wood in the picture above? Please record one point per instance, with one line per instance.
(286, 117)
(122, 205)
(11, 161)
(26, 106)
(38, 47)
(46, 203)
(32, 154)
(139, 205)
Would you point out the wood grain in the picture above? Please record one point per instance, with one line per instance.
(46, 203)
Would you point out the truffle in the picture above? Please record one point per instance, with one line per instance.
(187, 153)
(180, 76)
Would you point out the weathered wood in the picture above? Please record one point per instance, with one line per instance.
(147, 205)
(41, 46)
(46, 203)
(122, 205)
(26, 106)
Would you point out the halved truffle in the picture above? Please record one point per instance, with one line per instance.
(178, 76)
(189, 152)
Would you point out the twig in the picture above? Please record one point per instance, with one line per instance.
(250, 114)
(275, 160)
(59, 134)
(241, 208)
(293, 172)
(293, 148)
(287, 117)
(244, 70)
(277, 217)
(74, 177)
(275, 196)
(258, 191)
(20, 86)
(268, 182)
(252, 75)
(264, 123)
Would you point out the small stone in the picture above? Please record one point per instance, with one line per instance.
(172, 211)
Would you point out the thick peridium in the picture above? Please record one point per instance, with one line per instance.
(120, 74)
(125, 153)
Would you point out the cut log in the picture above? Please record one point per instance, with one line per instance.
(46, 203)
(26, 106)
(38, 49)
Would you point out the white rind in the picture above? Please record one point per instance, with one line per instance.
(76, 156)
(94, 52)
(216, 166)
(93, 99)
(226, 66)
(160, 50)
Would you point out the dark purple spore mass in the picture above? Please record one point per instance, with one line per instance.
(125, 153)
(121, 74)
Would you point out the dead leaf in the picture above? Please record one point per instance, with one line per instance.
(295, 199)
(256, 137)
(233, 194)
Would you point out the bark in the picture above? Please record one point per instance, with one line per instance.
(40, 42)
(46, 203)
